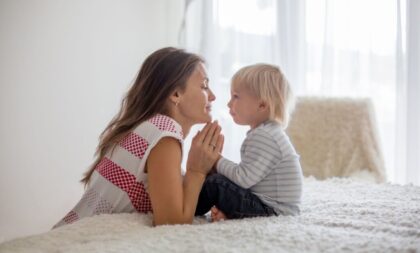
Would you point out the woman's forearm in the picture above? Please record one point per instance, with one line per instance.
(193, 181)
(184, 214)
(181, 194)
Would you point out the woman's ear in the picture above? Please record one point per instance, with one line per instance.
(175, 97)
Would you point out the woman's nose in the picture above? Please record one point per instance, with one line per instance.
(212, 97)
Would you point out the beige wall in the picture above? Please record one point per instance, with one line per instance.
(64, 66)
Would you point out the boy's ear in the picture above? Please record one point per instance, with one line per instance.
(263, 105)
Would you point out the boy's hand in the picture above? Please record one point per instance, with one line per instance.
(213, 169)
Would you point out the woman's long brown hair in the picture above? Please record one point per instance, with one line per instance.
(161, 73)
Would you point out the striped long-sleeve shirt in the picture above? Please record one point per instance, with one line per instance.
(269, 167)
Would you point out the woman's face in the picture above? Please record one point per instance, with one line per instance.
(195, 103)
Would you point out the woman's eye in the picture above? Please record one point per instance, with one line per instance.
(205, 84)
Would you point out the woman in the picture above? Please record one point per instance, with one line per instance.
(138, 165)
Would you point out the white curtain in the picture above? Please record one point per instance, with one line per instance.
(407, 148)
(357, 48)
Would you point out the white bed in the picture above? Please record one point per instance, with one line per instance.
(335, 137)
(338, 215)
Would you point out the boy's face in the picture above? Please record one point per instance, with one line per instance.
(246, 108)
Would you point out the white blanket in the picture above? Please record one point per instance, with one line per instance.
(338, 215)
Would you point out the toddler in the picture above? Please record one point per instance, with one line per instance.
(268, 179)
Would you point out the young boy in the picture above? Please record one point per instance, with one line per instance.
(268, 180)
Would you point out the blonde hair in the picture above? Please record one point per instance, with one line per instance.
(269, 84)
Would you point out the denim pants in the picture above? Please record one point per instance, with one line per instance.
(234, 201)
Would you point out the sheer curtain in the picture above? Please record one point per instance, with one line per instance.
(358, 48)
(407, 148)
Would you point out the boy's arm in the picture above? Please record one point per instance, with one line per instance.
(259, 157)
(243, 174)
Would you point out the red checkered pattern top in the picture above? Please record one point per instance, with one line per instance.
(119, 183)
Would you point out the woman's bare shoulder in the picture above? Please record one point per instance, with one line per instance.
(166, 151)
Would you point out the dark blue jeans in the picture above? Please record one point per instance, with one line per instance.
(234, 201)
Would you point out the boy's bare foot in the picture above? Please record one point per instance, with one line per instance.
(216, 214)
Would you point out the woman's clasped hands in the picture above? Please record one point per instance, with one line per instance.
(206, 147)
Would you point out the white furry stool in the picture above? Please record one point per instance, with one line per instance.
(337, 137)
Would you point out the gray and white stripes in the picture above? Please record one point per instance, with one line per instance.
(269, 167)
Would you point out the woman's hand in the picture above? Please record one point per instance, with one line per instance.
(206, 147)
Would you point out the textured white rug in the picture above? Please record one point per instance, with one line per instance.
(338, 215)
